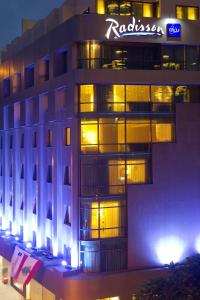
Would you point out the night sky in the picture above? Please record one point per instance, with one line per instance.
(12, 12)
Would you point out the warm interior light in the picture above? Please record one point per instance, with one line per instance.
(87, 98)
(100, 7)
(148, 10)
(105, 216)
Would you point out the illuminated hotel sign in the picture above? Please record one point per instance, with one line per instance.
(174, 30)
(135, 28)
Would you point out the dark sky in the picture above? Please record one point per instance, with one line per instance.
(12, 12)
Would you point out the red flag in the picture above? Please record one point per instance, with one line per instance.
(28, 270)
(17, 261)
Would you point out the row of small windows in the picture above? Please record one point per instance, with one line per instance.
(143, 9)
(49, 176)
(49, 215)
(49, 139)
(12, 85)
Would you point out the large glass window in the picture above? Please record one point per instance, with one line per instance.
(103, 219)
(111, 135)
(87, 98)
(162, 131)
(138, 131)
(119, 135)
(89, 136)
(93, 55)
(107, 175)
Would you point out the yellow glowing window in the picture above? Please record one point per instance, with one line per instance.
(94, 49)
(162, 93)
(89, 135)
(111, 131)
(162, 132)
(86, 98)
(67, 136)
(148, 10)
(100, 7)
(136, 171)
(125, 8)
(105, 219)
(137, 93)
(192, 13)
(113, 7)
(118, 98)
(138, 131)
(180, 12)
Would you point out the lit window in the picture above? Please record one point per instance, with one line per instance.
(138, 131)
(162, 132)
(179, 12)
(100, 7)
(137, 93)
(118, 98)
(89, 135)
(136, 171)
(117, 176)
(111, 135)
(86, 98)
(187, 12)
(148, 10)
(162, 93)
(105, 218)
(67, 136)
(125, 8)
(192, 13)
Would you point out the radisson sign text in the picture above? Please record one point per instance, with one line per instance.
(134, 28)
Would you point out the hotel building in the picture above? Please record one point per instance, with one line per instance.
(99, 145)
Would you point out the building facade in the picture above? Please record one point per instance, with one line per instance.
(99, 142)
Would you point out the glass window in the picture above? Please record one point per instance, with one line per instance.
(117, 176)
(161, 93)
(50, 137)
(136, 171)
(182, 94)
(192, 58)
(187, 12)
(105, 218)
(67, 136)
(118, 98)
(87, 98)
(111, 131)
(192, 13)
(148, 10)
(100, 7)
(125, 8)
(180, 12)
(112, 7)
(162, 131)
(89, 136)
(138, 131)
(137, 93)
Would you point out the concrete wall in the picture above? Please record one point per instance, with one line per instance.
(163, 217)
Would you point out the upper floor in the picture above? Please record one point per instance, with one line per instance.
(60, 45)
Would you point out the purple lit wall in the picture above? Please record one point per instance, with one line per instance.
(163, 217)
